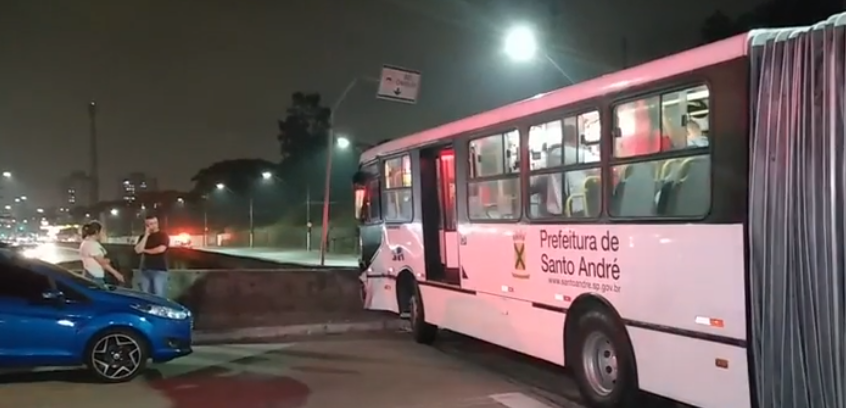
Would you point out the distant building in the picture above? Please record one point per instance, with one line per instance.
(76, 190)
(137, 183)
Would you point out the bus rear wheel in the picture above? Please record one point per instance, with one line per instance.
(603, 362)
(424, 333)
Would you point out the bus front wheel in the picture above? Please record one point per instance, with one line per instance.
(424, 333)
(603, 361)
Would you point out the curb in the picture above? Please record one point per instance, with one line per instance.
(259, 333)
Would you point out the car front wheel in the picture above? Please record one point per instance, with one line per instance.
(116, 356)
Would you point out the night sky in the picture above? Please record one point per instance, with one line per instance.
(184, 83)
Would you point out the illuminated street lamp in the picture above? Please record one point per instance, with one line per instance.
(220, 186)
(115, 212)
(343, 143)
(266, 175)
(7, 174)
(39, 210)
(8, 207)
(23, 198)
(521, 45)
(180, 200)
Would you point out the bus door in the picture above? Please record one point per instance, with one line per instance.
(448, 234)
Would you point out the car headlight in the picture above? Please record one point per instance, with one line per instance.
(163, 311)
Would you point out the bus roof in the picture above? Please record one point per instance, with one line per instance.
(707, 55)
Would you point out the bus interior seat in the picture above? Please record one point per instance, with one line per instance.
(669, 170)
(634, 195)
(691, 192)
(620, 173)
(665, 181)
(593, 196)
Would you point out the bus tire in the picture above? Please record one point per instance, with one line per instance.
(424, 333)
(603, 361)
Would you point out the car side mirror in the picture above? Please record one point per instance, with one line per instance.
(53, 296)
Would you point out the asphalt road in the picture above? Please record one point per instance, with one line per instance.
(55, 254)
(301, 257)
(373, 371)
(52, 253)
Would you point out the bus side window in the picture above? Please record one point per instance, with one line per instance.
(396, 195)
(494, 186)
(668, 187)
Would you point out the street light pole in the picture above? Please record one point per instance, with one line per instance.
(330, 141)
(308, 218)
(252, 224)
(205, 222)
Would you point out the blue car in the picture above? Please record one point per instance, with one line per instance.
(51, 317)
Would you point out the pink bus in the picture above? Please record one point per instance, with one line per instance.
(676, 228)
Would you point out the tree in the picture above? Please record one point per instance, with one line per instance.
(304, 129)
(239, 176)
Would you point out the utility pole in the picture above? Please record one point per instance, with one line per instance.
(308, 218)
(252, 223)
(94, 169)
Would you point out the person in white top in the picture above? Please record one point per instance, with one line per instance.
(93, 255)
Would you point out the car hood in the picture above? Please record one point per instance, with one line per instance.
(143, 297)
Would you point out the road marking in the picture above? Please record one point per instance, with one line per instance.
(518, 400)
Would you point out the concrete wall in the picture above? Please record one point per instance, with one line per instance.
(243, 298)
(226, 292)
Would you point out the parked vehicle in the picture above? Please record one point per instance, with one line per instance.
(52, 317)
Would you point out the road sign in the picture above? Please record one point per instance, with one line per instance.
(399, 84)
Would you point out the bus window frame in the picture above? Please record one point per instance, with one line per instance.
(383, 189)
(378, 180)
(609, 162)
(560, 115)
(513, 126)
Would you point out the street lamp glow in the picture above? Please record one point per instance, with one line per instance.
(220, 186)
(40, 210)
(266, 175)
(8, 207)
(23, 198)
(180, 200)
(521, 44)
(343, 143)
(7, 174)
(114, 211)
(17, 200)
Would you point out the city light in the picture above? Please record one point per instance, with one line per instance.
(7, 174)
(39, 210)
(115, 211)
(17, 200)
(343, 143)
(521, 44)
(180, 200)
(220, 186)
(8, 207)
(23, 198)
(266, 175)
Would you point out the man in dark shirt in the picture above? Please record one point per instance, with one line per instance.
(152, 246)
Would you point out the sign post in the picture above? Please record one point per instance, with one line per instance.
(395, 84)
